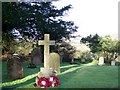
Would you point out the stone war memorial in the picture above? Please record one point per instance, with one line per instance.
(50, 60)
(46, 42)
(50, 63)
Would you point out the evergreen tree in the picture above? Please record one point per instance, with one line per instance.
(33, 20)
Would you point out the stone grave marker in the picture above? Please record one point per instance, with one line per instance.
(72, 61)
(112, 63)
(55, 62)
(101, 61)
(14, 68)
(46, 42)
(36, 57)
(83, 60)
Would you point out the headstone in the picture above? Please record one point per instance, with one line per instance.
(82, 60)
(46, 42)
(36, 57)
(101, 61)
(72, 61)
(112, 63)
(55, 62)
(14, 68)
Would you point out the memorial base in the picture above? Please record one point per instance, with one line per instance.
(46, 72)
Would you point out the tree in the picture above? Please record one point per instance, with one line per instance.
(104, 45)
(92, 42)
(33, 20)
(117, 47)
(66, 51)
(109, 47)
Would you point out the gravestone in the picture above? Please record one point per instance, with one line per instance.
(83, 60)
(55, 62)
(36, 57)
(46, 42)
(14, 68)
(112, 63)
(101, 61)
(72, 61)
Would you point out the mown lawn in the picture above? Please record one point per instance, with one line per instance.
(72, 76)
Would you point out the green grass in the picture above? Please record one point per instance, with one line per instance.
(27, 71)
(91, 77)
(72, 76)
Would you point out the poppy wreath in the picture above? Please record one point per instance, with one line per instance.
(53, 81)
(43, 82)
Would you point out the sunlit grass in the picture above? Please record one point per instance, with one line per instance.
(67, 66)
(28, 73)
(91, 77)
(73, 76)
(19, 81)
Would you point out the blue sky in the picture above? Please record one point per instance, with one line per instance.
(93, 16)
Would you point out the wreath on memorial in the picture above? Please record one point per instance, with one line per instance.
(52, 81)
(43, 82)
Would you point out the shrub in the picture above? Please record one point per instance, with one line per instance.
(88, 56)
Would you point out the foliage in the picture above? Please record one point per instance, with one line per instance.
(35, 20)
(92, 42)
(103, 45)
(89, 56)
(109, 47)
(23, 47)
(117, 47)
(65, 50)
(107, 44)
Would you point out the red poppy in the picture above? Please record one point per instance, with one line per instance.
(43, 82)
(53, 81)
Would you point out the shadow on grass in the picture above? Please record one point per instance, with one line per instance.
(68, 75)
(65, 72)
(20, 85)
(27, 71)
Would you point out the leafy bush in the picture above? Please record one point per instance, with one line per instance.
(88, 56)
(117, 63)
(66, 51)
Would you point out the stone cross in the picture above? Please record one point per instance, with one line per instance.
(46, 42)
